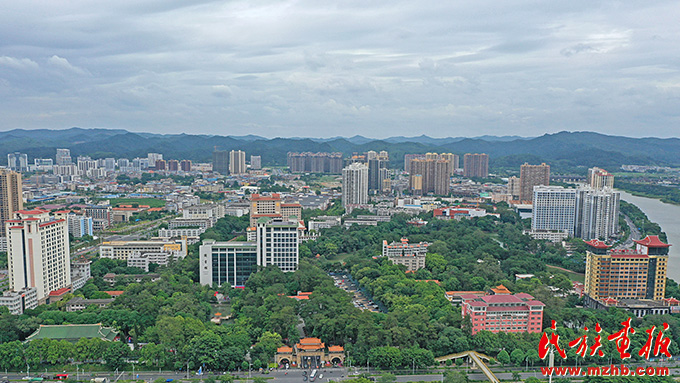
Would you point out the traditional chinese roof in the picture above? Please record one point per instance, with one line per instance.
(651, 241)
(500, 289)
(596, 243)
(284, 350)
(336, 349)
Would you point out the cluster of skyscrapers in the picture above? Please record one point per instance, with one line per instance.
(308, 162)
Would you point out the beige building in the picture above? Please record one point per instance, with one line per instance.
(636, 273)
(411, 255)
(11, 199)
(530, 176)
(263, 206)
(237, 162)
(600, 178)
(476, 165)
(38, 252)
(124, 249)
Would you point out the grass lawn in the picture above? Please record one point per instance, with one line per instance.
(153, 202)
(578, 277)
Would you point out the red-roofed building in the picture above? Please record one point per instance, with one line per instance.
(503, 312)
(638, 273)
(310, 353)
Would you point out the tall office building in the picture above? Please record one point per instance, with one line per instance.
(530, 176)
(18, 162)
(11, 196)
(600, 178)
(476, 165)
(227, 262)
(38, 252)
(354, 185)
(597, 213)
(237, 162)
(554, 208)
(256, 162)
(220, 162)
(64, 157)
(638, 273)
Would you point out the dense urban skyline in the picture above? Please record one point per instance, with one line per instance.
(314, 69)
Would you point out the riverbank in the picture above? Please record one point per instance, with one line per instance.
(666, 216)
(665, 194)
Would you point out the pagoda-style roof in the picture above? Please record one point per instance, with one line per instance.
(596, 243)
(284, 350)
(651, 241)
(336, 349)
(73, 332)
(500, 290)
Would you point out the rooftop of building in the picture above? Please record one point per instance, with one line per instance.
(651, 241)
(596, 243)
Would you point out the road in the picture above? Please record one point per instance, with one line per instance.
(296, 376)
(634, 234)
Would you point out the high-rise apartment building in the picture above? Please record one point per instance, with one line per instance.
(220, 162)
(410, 157)
(79, 225)
(597, 213)
(237, 162)
(554, 208)
(18, 162)
(315, 162)
(153, 157)
(11, 199)
(173, 165)
(476, 165)
(453, 159)
(600, 178)
(64, 157)
(377, 170)
(160, 165)
(354, 185)
(430, 175)
(514, 188)
(530, 176)
(38, 252)
(256, 162)
(185, 165)
(638, 273)
(584, 212)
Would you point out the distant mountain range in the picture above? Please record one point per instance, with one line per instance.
(569, 151)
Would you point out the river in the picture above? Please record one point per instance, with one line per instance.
(668, 217)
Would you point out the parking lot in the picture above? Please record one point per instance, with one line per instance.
(358, 298)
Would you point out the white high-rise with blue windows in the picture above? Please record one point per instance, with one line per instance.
(79, 226)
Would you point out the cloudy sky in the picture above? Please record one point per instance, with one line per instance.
(325, 68)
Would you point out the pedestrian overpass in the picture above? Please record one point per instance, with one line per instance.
(476, 359)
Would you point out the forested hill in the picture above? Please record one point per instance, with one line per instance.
(564, 150)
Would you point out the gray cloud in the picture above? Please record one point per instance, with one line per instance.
(320, 68)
